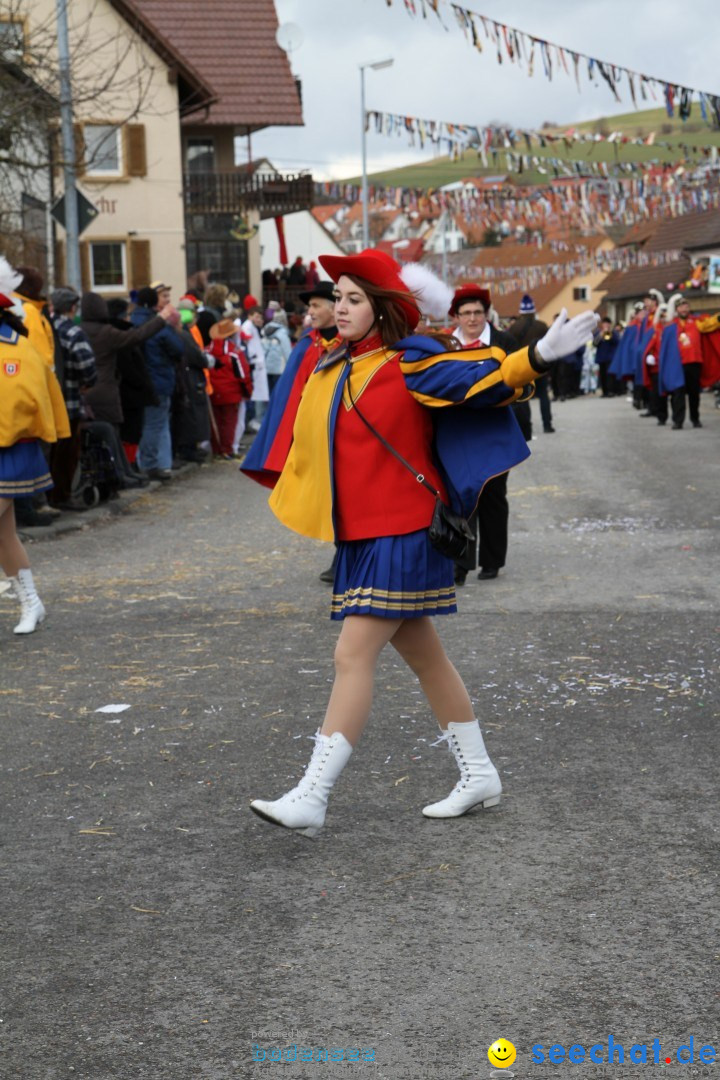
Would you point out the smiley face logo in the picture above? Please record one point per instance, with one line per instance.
(501, 1054)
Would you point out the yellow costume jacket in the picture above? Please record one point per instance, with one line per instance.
(31, 401)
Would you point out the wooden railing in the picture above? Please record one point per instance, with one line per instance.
(234, 192)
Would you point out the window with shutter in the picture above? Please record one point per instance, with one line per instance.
(107, 265)
(140, 267)
(104, 151)
(135, 151)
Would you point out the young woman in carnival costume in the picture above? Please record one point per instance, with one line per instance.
(333, 479)
(31, 408)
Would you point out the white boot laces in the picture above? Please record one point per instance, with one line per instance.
(454, 748)
(315, 766)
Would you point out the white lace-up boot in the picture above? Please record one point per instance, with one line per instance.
(6, 589)
(304, 807)
(32, 611)
(479, 783)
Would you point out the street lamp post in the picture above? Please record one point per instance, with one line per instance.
(375, 67)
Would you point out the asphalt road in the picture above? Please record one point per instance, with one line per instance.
(152, 927)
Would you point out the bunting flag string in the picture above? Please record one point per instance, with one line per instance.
(503, 280)
(518, 47)
(570, 203)
(493, 138)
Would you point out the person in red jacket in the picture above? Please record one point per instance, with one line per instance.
(231, 382)
(688, 336)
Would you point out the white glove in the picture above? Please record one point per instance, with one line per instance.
(210, 360)
(566, 336)
(650, 360)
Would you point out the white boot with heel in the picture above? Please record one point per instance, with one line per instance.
(303, 808)
(479, 783)
(32, 612)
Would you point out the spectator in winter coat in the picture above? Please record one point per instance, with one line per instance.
(252, 341)
(232, 384)
(104, 399)
(213, 309)
(191, 409)
(312, 278)
(278, 346)
(526, 330)
(297, 273)
(136, 387)
(162, 355)
(78, 374)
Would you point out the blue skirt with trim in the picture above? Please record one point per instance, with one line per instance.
(395, 577)
(23, 470)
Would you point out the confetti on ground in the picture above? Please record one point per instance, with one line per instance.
(113, 708)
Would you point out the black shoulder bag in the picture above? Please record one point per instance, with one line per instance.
(448, 532)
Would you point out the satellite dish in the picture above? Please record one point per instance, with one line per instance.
(289, 37)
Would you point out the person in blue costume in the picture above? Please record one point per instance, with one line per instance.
(444, 412)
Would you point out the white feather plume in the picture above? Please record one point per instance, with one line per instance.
(672, 305)
(9, 279)
(662, 310)
(433, 296)
(657, 295)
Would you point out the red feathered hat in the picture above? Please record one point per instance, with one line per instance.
(379, 269)
(470, 292)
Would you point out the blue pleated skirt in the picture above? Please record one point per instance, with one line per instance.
(23, 470)
(395, 577)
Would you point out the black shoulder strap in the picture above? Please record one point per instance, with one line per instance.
(418, 476)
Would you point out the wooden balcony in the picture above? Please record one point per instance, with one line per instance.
(237, 191)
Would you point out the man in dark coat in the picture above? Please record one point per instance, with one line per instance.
(527, 330)
(471, 307)
(136, 388)
(606, 342)
(163, 352)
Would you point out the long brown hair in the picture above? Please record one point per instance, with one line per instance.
(391, 315)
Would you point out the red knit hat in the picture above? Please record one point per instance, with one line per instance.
(466, 293)
(379, 269)
(249, 302)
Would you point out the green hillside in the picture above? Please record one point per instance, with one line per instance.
(441, 170)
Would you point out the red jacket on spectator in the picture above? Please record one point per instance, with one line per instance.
(230, 377)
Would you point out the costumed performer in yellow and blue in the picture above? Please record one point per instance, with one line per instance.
(32, 408)
(330, 447)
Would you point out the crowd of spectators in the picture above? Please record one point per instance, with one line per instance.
(151, 382)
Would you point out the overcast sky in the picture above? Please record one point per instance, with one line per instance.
(438, 75)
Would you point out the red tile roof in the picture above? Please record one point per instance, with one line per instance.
(233, 48)
(195, 91)
(634, 283)
(324, 213)
(512, 254)
(405, 251)
(687, 232)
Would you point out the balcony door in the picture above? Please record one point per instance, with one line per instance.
(200, 156)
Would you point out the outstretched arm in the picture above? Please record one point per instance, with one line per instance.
(489, 377)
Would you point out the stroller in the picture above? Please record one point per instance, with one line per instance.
(97, 476)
